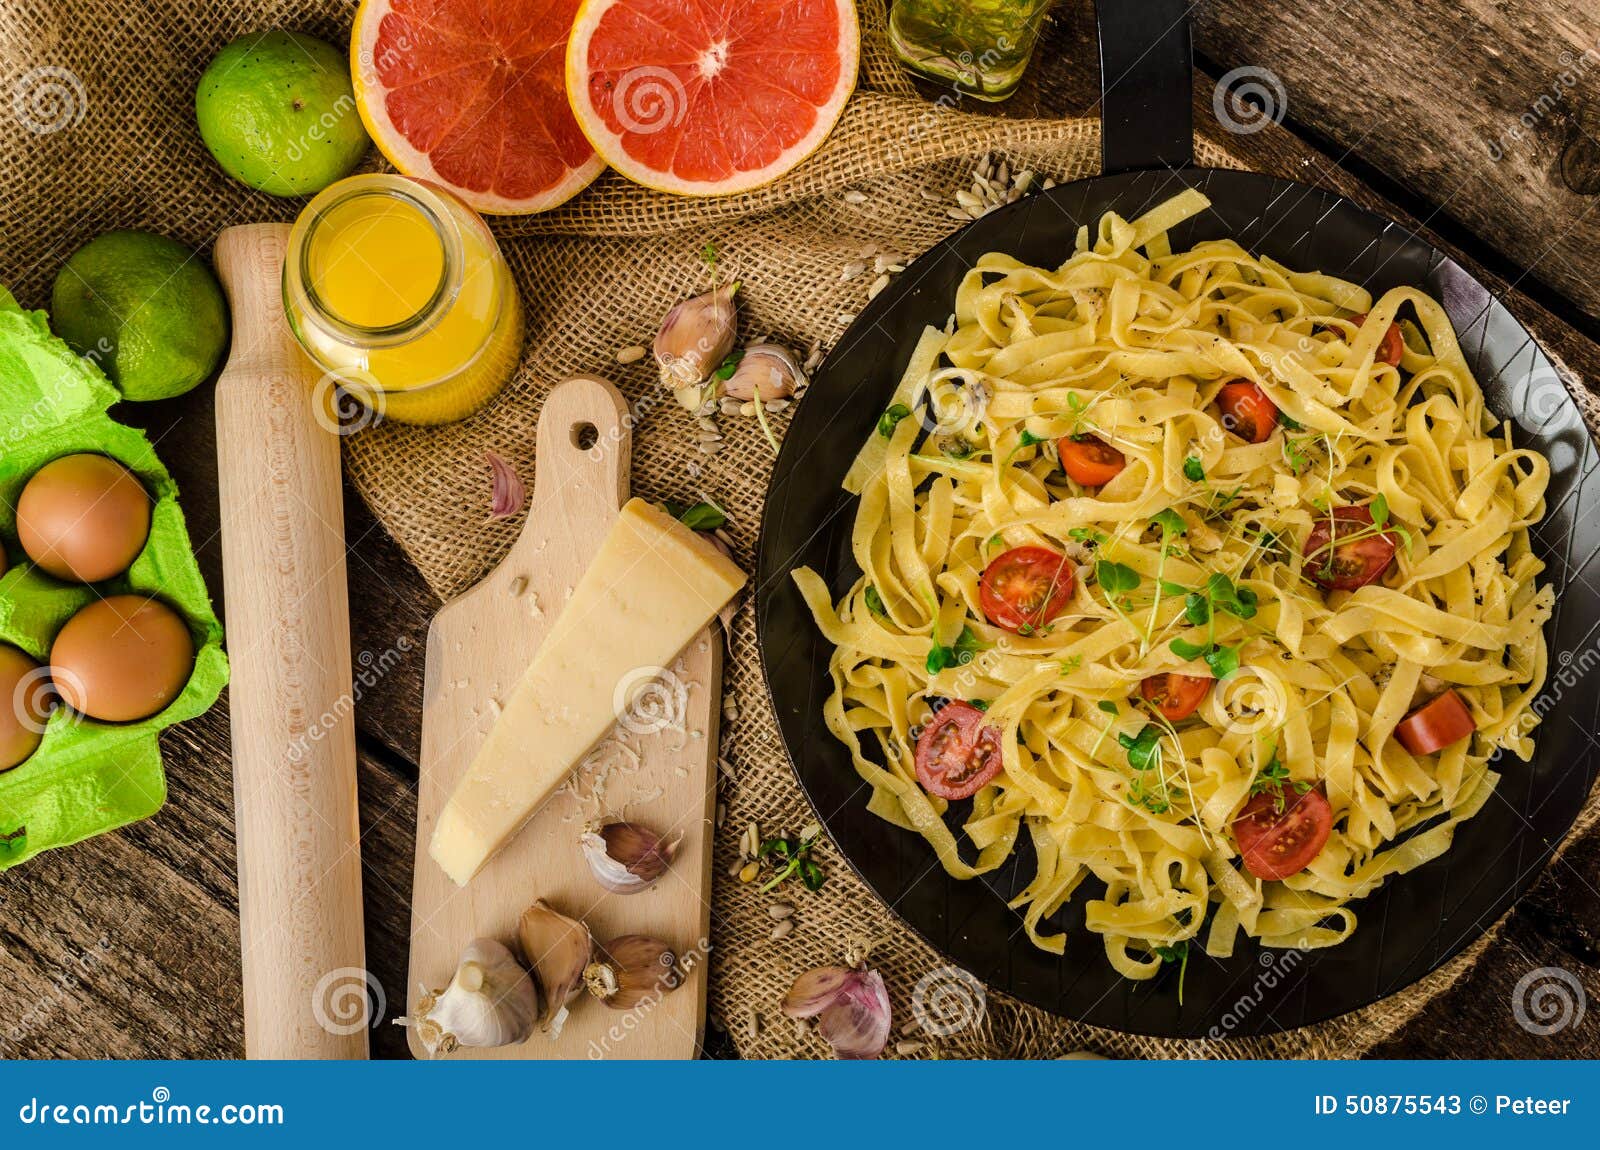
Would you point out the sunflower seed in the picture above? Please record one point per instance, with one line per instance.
(1048, 183)
(710, 437)
(782, 929)
(814, 359)
(977, 213)
(776, 405)
(733, 871)
(747, 409)
(957, 213)
(692, 469)
(752, 835)
(868, 251)
(630, 354)
(877, 286)
(801, 1030)
(810, 831)
(708, 423)
(722, 814)
(846, 318)
(896, 268)
(1013, 196)
(1024, 180)
(930, 195)
(710, 448)
(855, 197)
(752, 1022)
(851, 270)
(909, 1047)
(730, 406)
(1002, 174)
(968, 199)
(911, 1027)
(779, 910)
(749, 871)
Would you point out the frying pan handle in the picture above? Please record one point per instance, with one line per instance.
(1146, 84)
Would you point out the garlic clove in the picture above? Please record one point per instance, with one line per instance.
(767, 370)
(631, 971)
(694, 339)
(851, 1007)
(490, 1002)
(627, 858)
(558, 949)
(508, 494)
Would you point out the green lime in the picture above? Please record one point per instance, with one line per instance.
(277, 111)
(146, 309)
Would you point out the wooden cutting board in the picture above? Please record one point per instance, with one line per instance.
(478, 647)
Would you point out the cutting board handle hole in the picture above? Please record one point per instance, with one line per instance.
(585, 435)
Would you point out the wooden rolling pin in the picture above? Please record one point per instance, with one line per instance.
(288, 617)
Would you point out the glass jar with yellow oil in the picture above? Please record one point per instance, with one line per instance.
(396, 288)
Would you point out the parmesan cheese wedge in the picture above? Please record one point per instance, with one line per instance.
(653, 587)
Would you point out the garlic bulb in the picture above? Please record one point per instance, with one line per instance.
(489, 1002)
(626, 858)
(631, 971)
(694, 339)
(768, 371)
(851, 1007)
(558, 949)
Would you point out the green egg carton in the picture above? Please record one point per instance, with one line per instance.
(86, 777)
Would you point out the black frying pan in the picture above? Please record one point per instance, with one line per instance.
(1417, 921)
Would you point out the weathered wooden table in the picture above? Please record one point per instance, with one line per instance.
(1478, 125)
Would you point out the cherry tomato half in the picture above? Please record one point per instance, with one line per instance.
(1281, 830)
(1348, 565)
(1391, 347)
(1175, 696)
(1088, 461)
(1435, 725)
(1026, 587)
(956, 753)
(1246, 410)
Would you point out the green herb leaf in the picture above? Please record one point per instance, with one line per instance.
(1028, 438)
(981, 704)
(703, 517)
(1193, 470)
(1144, 749)
(1171, 523)
(874, 601)
(1187, 650)
(1379, 507)
(1115, 578)
(1071, 663)
(1223, 661)
(1197, 609)
(1173, 588)
(1075, 402)
(811, 875)
(940, 657)
(1289, 421)
(955, 447)
(890, 419)
(1108, 707)
(1239, 602)
(967, 646)
(729, 365)
(1086, 535)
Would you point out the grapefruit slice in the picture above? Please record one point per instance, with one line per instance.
(471, 94)
(710, 97)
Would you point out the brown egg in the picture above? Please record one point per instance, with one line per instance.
(83, 518)
(122, 658)
(24, 706)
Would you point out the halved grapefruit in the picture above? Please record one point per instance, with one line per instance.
(471, 94)
(710, 97)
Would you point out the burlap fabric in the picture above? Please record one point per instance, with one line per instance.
(118, 148)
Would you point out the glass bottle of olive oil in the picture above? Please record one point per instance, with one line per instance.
(982, 47)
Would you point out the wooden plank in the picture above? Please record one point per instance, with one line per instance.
(1487, 109)
(660, 769)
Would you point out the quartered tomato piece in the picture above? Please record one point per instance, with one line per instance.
(1088, 461)
(1391, 347)
(1246, 411)
(1342, 563)
(1282, 829)
(1025, 588)
(956, 753)
(1175, 696)
(1435, 725)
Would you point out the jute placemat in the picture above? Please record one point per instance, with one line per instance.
(102, 135)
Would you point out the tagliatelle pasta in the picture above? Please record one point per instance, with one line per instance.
(1206, 550)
